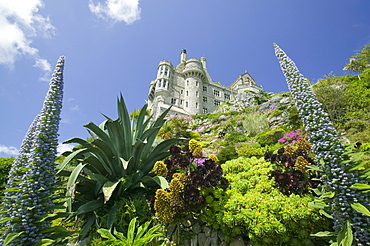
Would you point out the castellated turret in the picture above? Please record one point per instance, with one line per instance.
(189, 88)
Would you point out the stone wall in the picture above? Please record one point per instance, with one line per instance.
(194, 232)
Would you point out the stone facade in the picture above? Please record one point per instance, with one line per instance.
(190, 90)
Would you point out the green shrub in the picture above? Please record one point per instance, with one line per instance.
(365, 147)
(256, 122)
(5, 165)
(194, 135)
(249, 151)
(356, 126)
(362, 137)
(270, 137)
(236, 137)
(227, 153)
(254, 207)
(294, 120)
(205, 144)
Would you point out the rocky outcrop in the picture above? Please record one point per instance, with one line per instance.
(239, 102)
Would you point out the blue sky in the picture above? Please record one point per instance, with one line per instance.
(114, 46)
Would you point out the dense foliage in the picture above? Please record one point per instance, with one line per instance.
(5, 165)
(188, 176)
(116, 164)
(253, 207)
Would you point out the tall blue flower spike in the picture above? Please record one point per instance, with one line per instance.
(328, 148)
(32, 176)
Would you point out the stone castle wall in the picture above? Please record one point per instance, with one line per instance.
(189, 89)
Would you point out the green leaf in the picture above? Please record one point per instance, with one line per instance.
(360, 208)
(361, 186)
(89, 206)
(328, 195)
(111, 217)
(104, 233)
(45, 242)
(10, 237)
(317, 205)
(162, 181)
(345, 236)
(3, 220)
(140, 127)
(124, 118)
(131, 231)
(108, 189)
(86, 227)
(120, 235)
(69, 158)
(124, 163)
(324, 234)
(71, 181)
(314, 168)
(323, 212)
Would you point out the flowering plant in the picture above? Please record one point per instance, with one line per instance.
(339, 176)
(187, 176)
(292, 137)
(29, 192)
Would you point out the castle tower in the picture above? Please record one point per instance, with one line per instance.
(189, 89)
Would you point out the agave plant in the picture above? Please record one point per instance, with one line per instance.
(117, 163)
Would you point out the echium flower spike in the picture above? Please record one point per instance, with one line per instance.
(33, 171)
(328, 147)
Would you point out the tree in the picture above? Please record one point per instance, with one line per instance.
(360, 61)
(331, 93)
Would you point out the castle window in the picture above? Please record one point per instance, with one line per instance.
(187, 93)
(173, 100)
(205, 99)
(227, 96)
(196, 83)
(159, 83)
(187, 104)
(217, 103)
(196, 93)
(187, 82)
(196, 105)
(216, 93)
(205, 110)
(164, 83)
(181, 101)
(182, 91)
(204, 88)
(166, 71)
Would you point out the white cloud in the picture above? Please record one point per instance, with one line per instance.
(64, 147)
(43, 64)
(9, 150)
(75, 108)
(19, 23)
(117, 10)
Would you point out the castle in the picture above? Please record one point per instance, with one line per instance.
(190, 90)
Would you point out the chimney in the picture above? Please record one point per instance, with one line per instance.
(183, 56)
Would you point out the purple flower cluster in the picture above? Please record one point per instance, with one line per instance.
(199, 173)
(291, 137)
(328, 148)
(31, 178)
